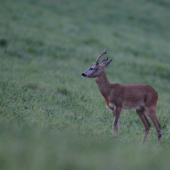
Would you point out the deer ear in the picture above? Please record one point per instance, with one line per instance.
(105, 62)
(105, 59)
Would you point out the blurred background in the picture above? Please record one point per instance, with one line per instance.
(51, 117)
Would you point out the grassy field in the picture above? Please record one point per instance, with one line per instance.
(51, 117)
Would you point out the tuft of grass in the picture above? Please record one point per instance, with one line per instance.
(3, 42)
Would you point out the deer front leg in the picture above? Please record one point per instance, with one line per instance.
(116, 114)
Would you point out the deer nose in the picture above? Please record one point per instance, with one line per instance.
(84, 75)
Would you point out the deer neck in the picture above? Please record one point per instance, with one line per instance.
(103, 84)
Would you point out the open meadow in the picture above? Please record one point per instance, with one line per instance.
(53, 118)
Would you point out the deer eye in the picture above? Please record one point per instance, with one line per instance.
(91, 69)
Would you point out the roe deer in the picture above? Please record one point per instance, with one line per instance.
(141, 97)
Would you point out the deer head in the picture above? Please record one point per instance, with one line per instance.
(95, 69)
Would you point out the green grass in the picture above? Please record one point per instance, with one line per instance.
(51, 117)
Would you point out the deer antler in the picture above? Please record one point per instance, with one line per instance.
(102, 53)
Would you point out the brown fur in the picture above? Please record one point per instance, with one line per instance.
(141, 97)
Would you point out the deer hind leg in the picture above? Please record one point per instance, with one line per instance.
(144, 120)
(151, 111)
(116, 114)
